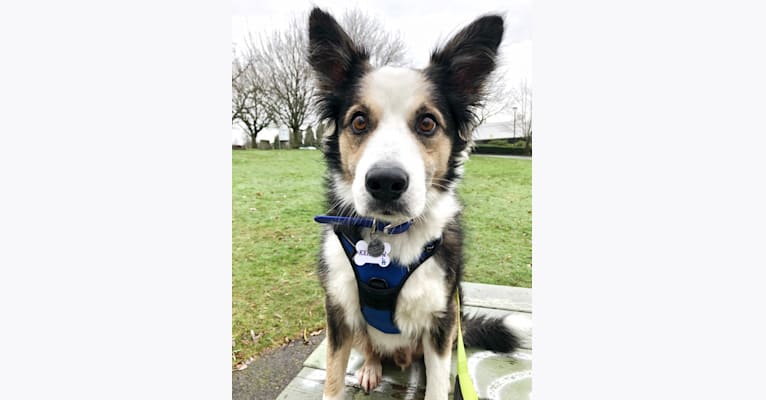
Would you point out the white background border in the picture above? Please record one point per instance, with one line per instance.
(116, 200)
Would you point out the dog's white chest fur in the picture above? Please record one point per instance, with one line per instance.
(423, 297)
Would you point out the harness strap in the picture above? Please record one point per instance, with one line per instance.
(379, 287)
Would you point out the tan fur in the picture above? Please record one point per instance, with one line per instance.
(336, 368)
(403, 357)
(352, 145)
(436, 152)
(351, 149)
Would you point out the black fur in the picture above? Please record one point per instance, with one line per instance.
(337, 331)
(460, 69)
(441, 329)
(338, 65)
(488, 333)
(450, 258)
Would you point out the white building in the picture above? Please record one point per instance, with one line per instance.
(240, 136)
(497, 130)
(268, 134)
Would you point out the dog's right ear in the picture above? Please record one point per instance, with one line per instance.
(332, 54)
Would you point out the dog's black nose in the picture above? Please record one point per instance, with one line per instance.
(386, 181)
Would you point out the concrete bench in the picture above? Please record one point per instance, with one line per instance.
(495, 376)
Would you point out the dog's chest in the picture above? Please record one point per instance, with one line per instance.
(422, 297)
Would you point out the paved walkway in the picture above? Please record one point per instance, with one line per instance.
(496, 376)
(272, 371)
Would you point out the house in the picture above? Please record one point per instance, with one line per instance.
(240, 138)
(266, 137)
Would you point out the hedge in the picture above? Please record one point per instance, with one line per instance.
(485, 149)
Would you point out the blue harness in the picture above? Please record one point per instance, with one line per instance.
(378, 286)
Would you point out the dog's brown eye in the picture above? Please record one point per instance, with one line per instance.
(359, 124)
(426, 125)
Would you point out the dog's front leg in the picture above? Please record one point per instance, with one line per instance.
(339, 343)
(438, 359)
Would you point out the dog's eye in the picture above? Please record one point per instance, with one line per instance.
(359, 124)
(426, 125)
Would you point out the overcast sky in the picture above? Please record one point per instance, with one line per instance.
(423, 24)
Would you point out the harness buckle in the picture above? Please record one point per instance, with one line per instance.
(387, 229)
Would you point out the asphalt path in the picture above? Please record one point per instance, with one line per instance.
(269, 374)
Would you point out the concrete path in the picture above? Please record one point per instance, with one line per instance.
(496, 376)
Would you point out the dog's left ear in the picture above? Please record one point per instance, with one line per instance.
(464, 63)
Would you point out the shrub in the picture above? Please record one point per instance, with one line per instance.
(490, 149)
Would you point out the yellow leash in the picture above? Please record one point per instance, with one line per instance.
(463, 384)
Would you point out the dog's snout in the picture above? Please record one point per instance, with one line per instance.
(386, 182)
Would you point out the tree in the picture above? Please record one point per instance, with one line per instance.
(249, 95)
(287, 75)
(309, 139)
(385, 48)
(523, 99)
(499, 97)
(276, 64)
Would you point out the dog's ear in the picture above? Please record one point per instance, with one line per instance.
(463, 65)
(332, 54)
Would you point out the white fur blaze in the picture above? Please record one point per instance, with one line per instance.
(437, 371)
(393, 95)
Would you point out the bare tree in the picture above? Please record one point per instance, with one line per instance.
(385, 48)
(272, 81)
(523, 100)
(287, 75)
(249, 95)
(499, 97)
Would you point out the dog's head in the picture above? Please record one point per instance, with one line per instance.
(400, 135)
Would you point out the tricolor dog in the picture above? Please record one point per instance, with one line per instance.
(391, 257)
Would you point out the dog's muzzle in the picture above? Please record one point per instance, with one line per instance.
(386, 181)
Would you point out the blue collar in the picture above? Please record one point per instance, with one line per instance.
(381, 226)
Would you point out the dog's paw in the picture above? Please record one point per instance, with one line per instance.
(369, 375)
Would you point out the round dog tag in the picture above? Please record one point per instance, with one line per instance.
(375, 248)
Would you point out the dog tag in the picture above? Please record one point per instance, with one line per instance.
(375, 247)
(363, 256)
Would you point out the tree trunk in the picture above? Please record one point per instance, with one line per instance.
(295, 139)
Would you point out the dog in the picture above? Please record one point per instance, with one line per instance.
(391, 255)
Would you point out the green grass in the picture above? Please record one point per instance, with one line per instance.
(275, 194)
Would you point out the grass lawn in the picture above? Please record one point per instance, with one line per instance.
(275, 194)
